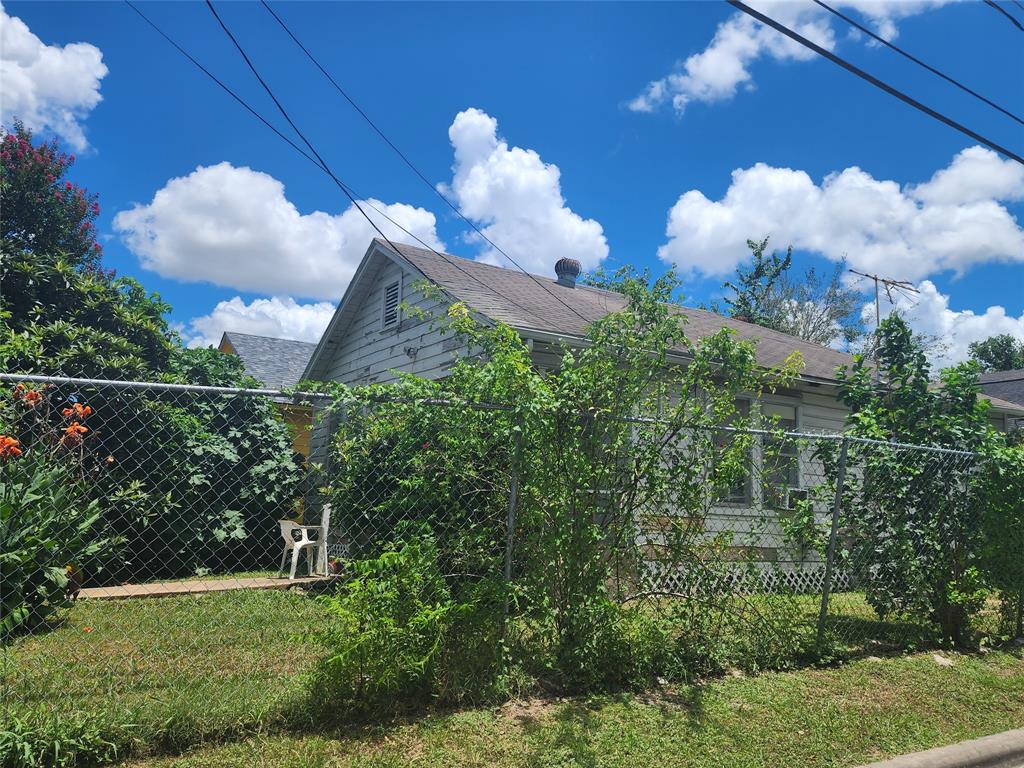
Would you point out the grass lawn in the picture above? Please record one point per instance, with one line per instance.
(213, 668)
(865, 710)
(179, 668)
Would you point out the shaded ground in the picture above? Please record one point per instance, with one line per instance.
(865, 710)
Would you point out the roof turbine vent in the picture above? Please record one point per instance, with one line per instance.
(567, 271)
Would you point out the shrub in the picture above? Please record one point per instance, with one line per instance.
(394, 635)
(45, 528)
(48, 526)
(1003, 526)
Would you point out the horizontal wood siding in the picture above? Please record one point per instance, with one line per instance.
(366, 354)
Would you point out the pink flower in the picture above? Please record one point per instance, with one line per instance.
(95, 209)
(67, 185)
(71, 159)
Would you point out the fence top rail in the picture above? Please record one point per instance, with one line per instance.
(159, 386)
(277, 394)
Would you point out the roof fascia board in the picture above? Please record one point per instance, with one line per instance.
(675, 357)
(343, 310)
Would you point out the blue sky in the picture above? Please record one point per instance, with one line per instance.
(542, 122)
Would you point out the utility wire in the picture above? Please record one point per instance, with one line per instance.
(933, 70)
(299, 133)
(260, 117)
(873, 80)
(409, 162)
(1007, 14)
(323, 162)
(304, 153)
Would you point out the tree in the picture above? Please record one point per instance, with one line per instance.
(913, 516)
(60, 311)
(42, 211)
(998, 353)
(193, 481)
(815, 308)
(755, 294)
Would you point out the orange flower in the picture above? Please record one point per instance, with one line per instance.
(33, 398)
(77, 412)
(73, 435)
(9, 447)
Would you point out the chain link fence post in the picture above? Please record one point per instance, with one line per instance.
(513, 494)
(833, 535)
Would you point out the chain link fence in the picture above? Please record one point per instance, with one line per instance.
(163, 545)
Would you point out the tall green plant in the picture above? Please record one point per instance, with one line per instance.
(1002, 523)
(914, 516)
(618, 456)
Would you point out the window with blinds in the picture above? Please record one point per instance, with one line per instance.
(390, 306)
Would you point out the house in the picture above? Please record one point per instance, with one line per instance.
(1007, 386)
(371, 337)
(276, 364)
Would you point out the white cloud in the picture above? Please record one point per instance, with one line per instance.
(929, 313)
(48, 87)
(280, 316)
(952, 222)
(975, 175)
(516, 199)
(717, 72)
(234, 227)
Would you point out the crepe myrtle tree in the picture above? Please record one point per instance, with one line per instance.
(914, 516)
(618, 454)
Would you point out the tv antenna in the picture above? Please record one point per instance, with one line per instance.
(902, 287)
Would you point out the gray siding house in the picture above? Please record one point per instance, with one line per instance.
(370, 339)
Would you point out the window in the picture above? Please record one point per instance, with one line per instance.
(780, 456)
(390, 305)
(739, 491)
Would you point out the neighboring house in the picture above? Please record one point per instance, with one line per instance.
(1007, 386)
(276, 364)
(370, 338)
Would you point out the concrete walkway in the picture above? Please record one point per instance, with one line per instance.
(1004, 750)
(195, 586)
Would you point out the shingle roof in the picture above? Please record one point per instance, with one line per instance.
(275, 362)
(1005, 385)
(540, 304)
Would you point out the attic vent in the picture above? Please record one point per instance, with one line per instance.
(389, 310)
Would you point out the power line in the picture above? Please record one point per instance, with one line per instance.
(288, 119)
(1007, 14)
(917, 61)
(409, 162)
(323, 162)
(261, 118)
(873, 80)
(306, 155)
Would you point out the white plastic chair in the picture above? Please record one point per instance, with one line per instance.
(296, 545)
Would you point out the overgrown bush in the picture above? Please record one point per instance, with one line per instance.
(1002, 524)
(399, 634)
(913, 517)
(604, 503)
